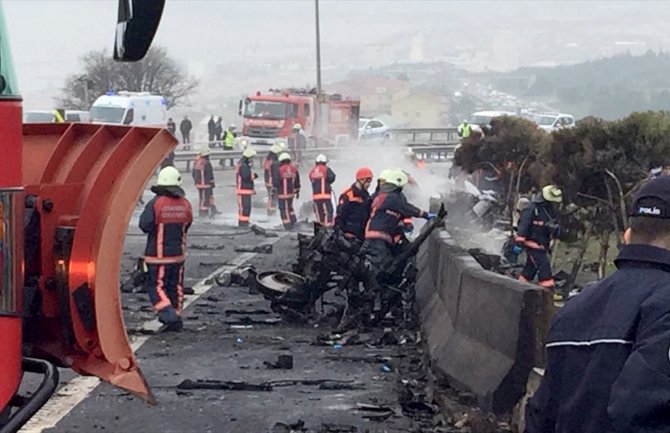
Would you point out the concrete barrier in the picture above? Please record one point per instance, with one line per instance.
(483, 330)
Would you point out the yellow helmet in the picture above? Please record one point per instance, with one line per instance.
(297, 126)
(397, 178)
(385, 174)
(204, 151)
(169, 176)
(284, 157)
(552, 193)
(276, 148)
(249, 153)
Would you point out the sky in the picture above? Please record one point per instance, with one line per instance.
(217, 39)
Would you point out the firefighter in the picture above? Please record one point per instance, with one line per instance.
(297, 143)
(322, 178)
(271, 165)
(607, 349)
(286, 182)
(388, 211)
(353, 207)
(245, 186)
(203, 177)
(464, 130)
(165, 220)
(229, 142)
(537, 228)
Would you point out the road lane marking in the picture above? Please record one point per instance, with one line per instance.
(78, 389)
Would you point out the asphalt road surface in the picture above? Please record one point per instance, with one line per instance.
(229, 335)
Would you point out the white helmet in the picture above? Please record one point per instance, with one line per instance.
(284, 157)
(204, 151)
(276, 148)
(321, 158)
(232, 126)
(409, 152)
(297, 126)
(169, 176)
(249, 153)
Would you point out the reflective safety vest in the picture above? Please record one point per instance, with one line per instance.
(229, 140)
(464, 130)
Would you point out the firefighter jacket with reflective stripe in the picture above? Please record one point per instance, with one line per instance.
(271, 163)
(203, 175)
(608, 365)
(388, 210)
(165, 220)
(245, 178)
(286, 181)
(321, 178)
(353, 211)
(228, 139)
(537, 226)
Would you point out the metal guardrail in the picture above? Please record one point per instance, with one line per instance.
(436, 153)
(430, 144)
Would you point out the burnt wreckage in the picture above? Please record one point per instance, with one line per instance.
(330, 261)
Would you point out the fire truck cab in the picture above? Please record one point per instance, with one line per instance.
(328, 119)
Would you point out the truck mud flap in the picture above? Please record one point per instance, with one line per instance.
(87, 180)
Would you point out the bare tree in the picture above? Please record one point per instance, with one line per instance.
(157, 73)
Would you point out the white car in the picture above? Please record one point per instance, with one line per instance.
(554, 122)
(482, 119)
(372, 129)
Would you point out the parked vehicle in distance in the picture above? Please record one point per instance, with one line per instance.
(130, 108)
(48, 116)
(551, 122)
(481, 120)
(371, 129)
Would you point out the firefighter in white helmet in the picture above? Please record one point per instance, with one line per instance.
(203, 177)
(297, 142)
(322, 177)
(271, 165)
(165, 220)
(245, 186)
(287, 183)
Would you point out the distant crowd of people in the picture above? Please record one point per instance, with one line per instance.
(217, 136)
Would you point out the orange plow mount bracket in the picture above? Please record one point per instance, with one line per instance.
(87, 180)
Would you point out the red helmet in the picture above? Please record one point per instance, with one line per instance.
(364, 173)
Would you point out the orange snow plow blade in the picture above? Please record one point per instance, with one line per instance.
(86, 180)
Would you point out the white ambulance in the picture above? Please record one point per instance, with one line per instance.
(130, 108)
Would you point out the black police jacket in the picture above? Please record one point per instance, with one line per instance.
(608, 367)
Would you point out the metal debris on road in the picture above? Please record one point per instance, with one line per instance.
(206, 247)
(261, 249)
(230, 385)
(283, 362)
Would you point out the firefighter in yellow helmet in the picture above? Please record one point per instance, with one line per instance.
(537, 228)
(245, 186)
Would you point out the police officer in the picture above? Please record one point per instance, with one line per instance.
(271, 165)
(245, 186)
(287, 183)
(464, 130)
(353, 206)
(537, 228)
(322, 178)
(608, 368)
(203, 177)
(388, 210)
(165, 220)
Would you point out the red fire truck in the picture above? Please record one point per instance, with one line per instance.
(326, 119)
(67, 192)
